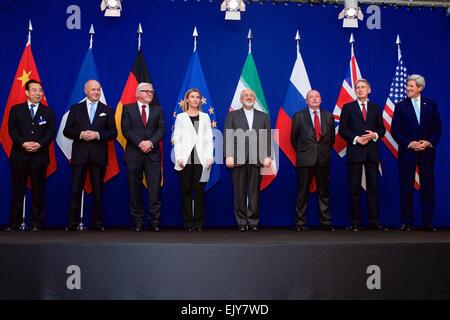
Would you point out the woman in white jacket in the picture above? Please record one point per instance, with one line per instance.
(193, 148)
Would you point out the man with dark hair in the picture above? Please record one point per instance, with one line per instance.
(143, 126)
(32, 128)
(417, 128)
(90, 124)
(361, 125)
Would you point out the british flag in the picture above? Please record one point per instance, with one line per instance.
(397, 93)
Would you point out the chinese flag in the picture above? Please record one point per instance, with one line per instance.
(26, 71)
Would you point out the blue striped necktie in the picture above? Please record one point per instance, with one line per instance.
(416, 109)
(32, 111)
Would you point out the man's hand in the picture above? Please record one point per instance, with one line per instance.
(267, 162)
(89, 135)
(145, 146)
(229, 162)
(424, 144)
(361, 140)
(180, 163)
(209, 162)
(419, 145)
(370, 135)
(31, 146)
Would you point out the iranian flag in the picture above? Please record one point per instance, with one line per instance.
(250, 80)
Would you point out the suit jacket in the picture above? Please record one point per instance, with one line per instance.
(304, 141)
(405, 128)
(352, 124)
(103, 122)
(22, 129)
(247, 146)
(185, 139)
(134, 131)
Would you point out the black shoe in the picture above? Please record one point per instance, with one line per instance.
(36, 229)
(155, 228)
(201, 229)
(378, 228)
(138, 228)
(72, 227)
(354, 228)
(429, 228)
(188, 229)
(301, 228)
(241, 228)
(406, 228)
(327, 228)
(98, 228)
(12, 229)
(254, 228)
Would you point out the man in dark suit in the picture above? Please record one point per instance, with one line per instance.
(361, 125)
(32, 127)
(417, 128)
(90, 124)
(143, 126)
(312, 137)
(247, 148)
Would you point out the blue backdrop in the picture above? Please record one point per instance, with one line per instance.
(167, 45)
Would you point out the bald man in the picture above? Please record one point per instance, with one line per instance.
(90, 124)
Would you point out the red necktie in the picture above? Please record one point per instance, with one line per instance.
(144, 115)
(364, 111)
(317, 126)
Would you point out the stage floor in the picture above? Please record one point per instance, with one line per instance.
(275, 263)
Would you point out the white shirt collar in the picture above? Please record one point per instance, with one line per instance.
(29, 104)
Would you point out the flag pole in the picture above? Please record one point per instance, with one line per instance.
(399, 52)
(297, 38)
(195, 35)
(23, 226)
(250, 37)
(140, 32)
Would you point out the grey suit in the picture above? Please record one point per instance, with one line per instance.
(248, 148)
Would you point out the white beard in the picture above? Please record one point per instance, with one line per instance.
(248, 104)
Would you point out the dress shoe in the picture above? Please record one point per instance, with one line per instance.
(188, 229)
(378, 228)
(354, 228)
(12, 229)
(155, 228)
(327, 228)
(429, 228)
(98, 228)
(138, 228)
(36, 229)
(254, 228)
(301, 228)
(406, 228)
(71, 227)
(201, 229)
(241, 228)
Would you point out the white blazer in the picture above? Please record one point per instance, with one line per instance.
(185, 139)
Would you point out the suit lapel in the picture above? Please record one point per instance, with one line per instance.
(412, 111)
(244, 119)
(359, 111)
(323, 127)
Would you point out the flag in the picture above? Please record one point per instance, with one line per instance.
(139, 73)
(294, 100)
(27, 70)
(250, 80)
(396, 94)
(88, 71)
(195, 78)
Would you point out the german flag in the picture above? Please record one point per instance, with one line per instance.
(139, 73)
(27, 70)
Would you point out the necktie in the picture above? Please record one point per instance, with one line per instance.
(32, 111)
(92, 112)
(416, 109)
(317, 126)
(144, 115)
(364, 111)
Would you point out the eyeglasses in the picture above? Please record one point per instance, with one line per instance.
(147, 91)
(248, 95)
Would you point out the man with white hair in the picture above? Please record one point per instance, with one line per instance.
(416, 126)
(143, 126)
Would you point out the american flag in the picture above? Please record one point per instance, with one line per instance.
(397, 93)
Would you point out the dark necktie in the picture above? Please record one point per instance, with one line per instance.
(317, 126)
(364, 111)
(144, 115)
(32, 111)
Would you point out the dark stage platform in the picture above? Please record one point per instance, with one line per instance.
(220, 263)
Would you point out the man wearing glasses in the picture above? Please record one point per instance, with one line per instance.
(143, 126)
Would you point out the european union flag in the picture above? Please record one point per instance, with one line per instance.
(194, 78)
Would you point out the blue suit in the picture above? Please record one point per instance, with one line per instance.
(405, 128)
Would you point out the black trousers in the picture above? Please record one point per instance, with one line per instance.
(136, 170)
(19, 177)
(246, 183)
(354, 181)
(304, 178)
(427, 194)
(96, 175)
(189, 183)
